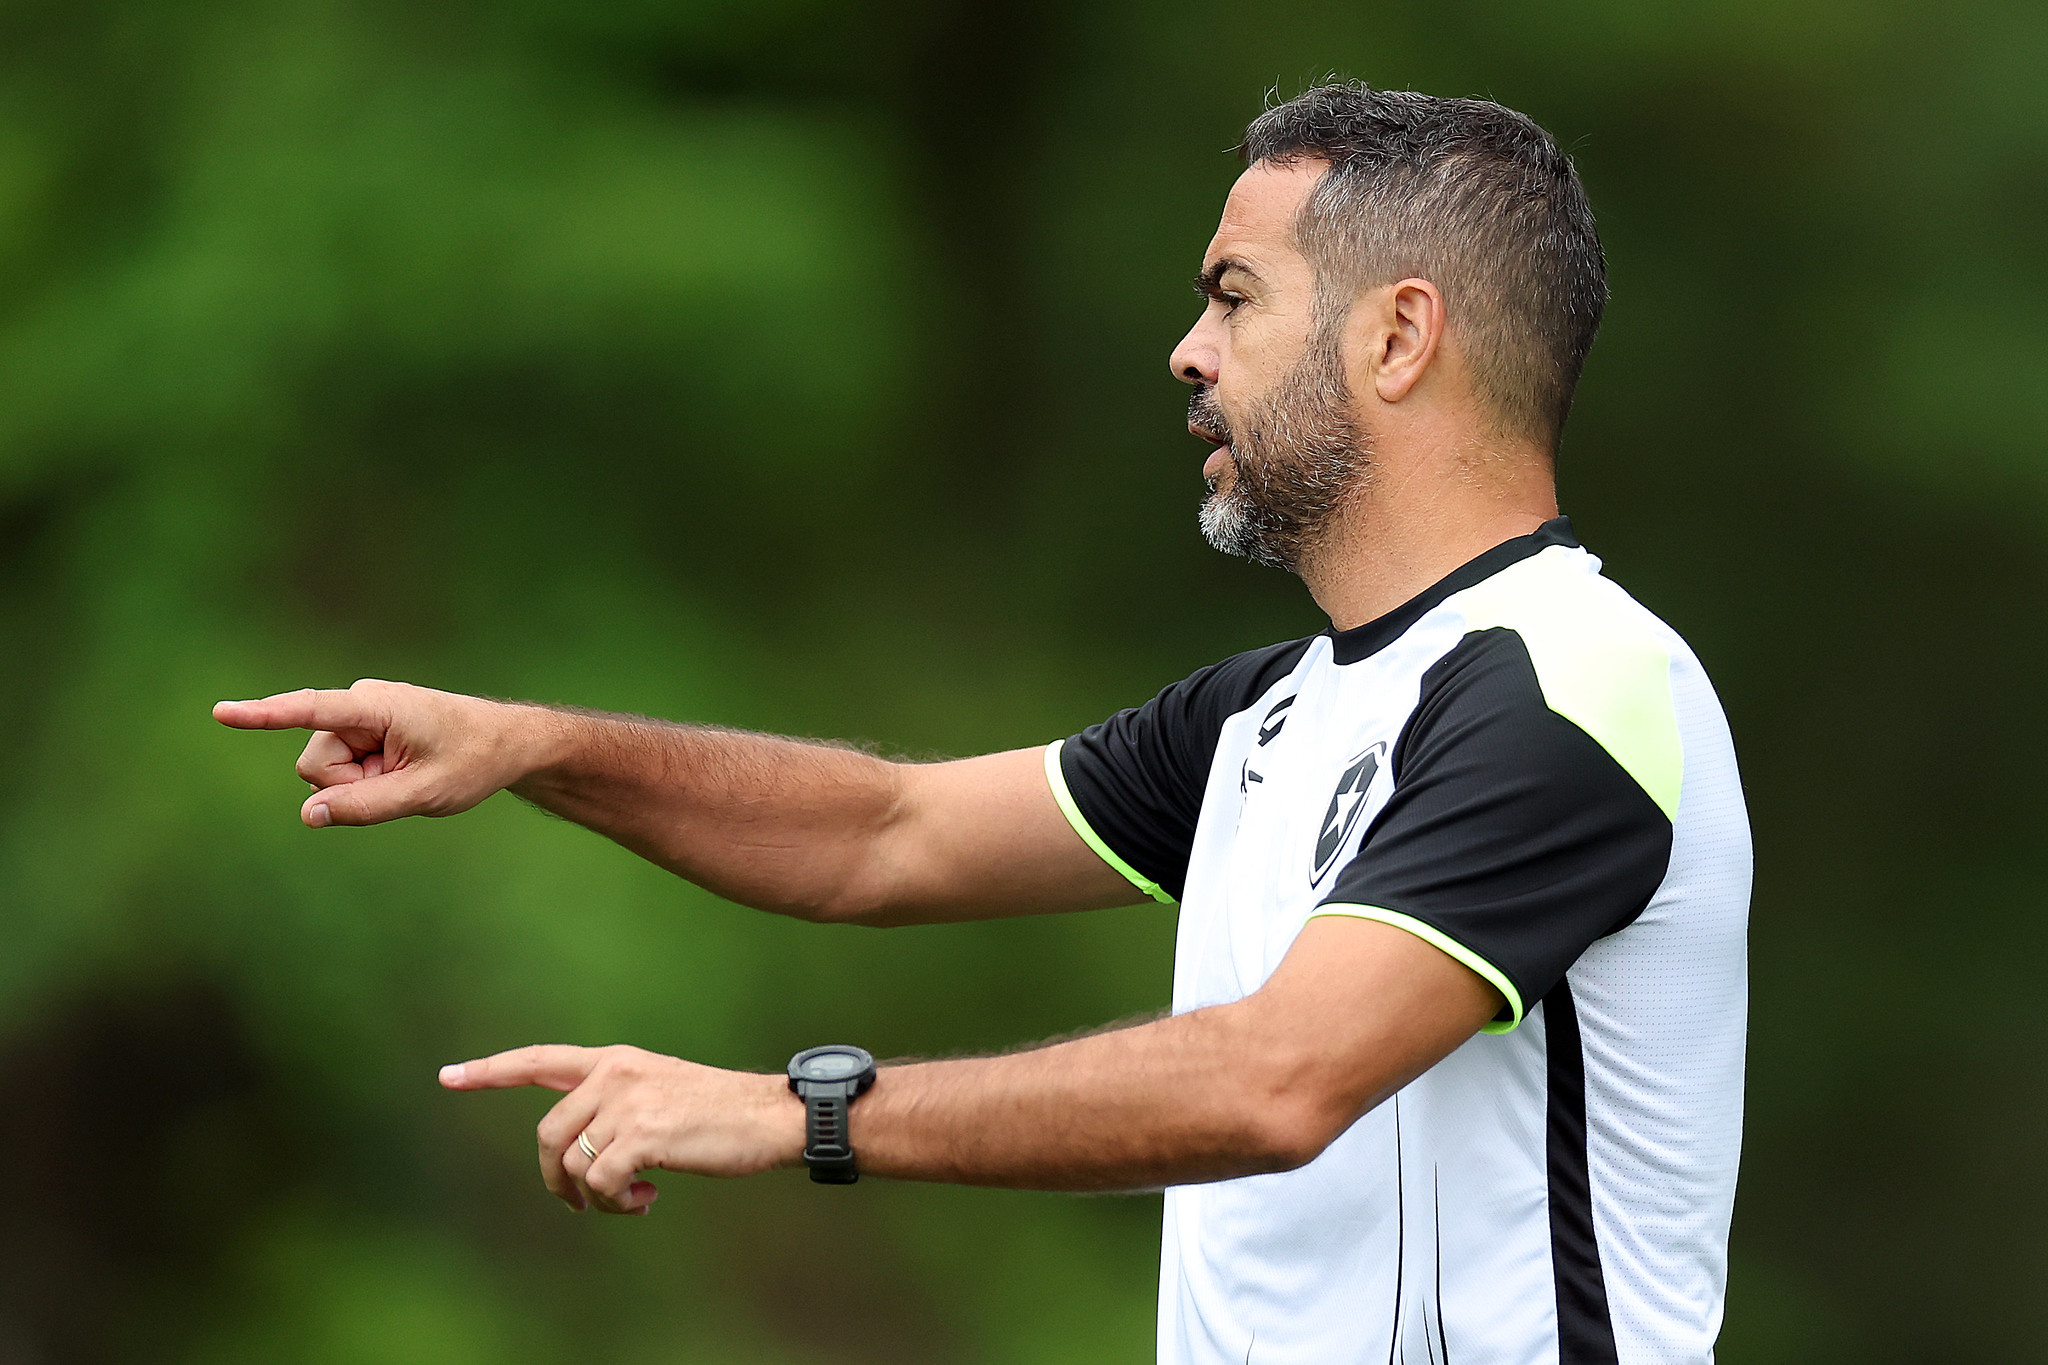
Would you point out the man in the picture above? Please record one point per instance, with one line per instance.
(1454, 1066)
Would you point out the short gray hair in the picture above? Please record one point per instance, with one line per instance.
(1469, 195)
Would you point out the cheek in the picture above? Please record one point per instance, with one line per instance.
(1243, 392)
(1251, 361)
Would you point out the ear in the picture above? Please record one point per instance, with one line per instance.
(1403, 343)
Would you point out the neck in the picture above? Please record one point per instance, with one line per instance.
(1418, 520)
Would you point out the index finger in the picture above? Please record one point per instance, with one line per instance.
(556, 1066)
(306, 709)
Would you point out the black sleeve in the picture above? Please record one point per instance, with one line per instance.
(1511, 835)
(1137, 779)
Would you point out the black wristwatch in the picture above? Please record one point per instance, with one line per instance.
(828, 1079)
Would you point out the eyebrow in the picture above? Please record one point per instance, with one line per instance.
(1210, 281)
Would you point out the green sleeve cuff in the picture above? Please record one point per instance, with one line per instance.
(1058, 781)
(1437, 938)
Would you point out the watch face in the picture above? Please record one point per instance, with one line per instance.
(832, 1066)
(832, 1062)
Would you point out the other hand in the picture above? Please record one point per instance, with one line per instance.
(641, 1111)
(381, 750)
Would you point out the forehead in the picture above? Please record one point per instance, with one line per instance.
(1258, 217)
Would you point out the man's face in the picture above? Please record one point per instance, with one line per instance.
(1270, 389)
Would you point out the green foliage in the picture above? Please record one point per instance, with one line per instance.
(801, 367)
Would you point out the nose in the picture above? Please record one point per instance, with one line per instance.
(1196, 360)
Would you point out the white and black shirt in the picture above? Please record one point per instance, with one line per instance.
(1525, 768)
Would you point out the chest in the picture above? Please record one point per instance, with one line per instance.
(1297, 781)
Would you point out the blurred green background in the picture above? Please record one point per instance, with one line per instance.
(802, 366)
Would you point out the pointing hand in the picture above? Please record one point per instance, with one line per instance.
(625, 1111)
(381, 750)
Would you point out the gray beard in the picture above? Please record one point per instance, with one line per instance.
(1294, 462)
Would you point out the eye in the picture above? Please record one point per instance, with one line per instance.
(1209, 284)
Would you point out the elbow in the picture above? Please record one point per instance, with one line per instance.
(872, 886)
(844, 902)
(849, 905)
(1298, 1105)
(871, 898)
(1290, 1133)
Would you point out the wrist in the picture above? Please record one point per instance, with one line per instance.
(538, 742)
(783, 1129)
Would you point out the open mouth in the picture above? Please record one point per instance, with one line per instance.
(1219, 458)
(1206, 423)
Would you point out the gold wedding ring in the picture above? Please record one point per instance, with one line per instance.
(583, 1141)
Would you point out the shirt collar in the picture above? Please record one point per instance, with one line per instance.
(1362, 642)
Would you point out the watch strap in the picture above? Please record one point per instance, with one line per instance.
(828, 1150)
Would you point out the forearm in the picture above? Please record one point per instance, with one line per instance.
(1207, 1095)
(773, 823)
(1354, 1012)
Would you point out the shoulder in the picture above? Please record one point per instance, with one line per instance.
(1222, 689)
(1552, 630)
(1133, 785)
(1193, 710)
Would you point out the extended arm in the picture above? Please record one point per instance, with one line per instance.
(1355, 1011)
(810, 830)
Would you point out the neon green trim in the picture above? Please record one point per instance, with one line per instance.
(1621, 696)
(1060, 794)
(1437, 938)
(1601, 667)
